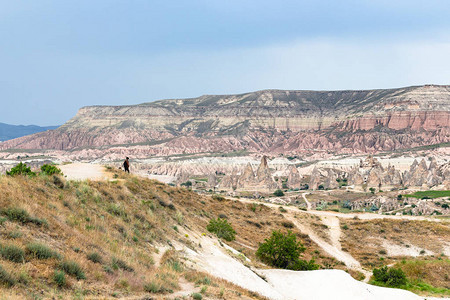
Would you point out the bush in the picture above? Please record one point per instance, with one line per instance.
(20, 169)
(278, 193)
(95, 257)
(50, 169)
(117, 263)
(6, 278)
(303, 265)
(12, 253)
(197, 296)
(187, 184)
(280, 250)
(22, 216)
(391, 277)
(152, 287)
(222, 229)
(17, 214)
(59, 277)
(218, 197)
(72, 268)
(41, 251)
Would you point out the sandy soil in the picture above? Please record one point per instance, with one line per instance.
(401, 250)
(83, 171)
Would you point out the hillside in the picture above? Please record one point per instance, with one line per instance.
(272, 121)
(137, 238)
(9, 132)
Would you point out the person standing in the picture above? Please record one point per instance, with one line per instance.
(126, 165)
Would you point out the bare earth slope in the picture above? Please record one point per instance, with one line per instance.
(273, 121)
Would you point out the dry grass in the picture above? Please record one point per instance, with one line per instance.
(404, 233)
(124, 222)
(431, 271)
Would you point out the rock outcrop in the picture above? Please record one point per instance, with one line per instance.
(262, 180)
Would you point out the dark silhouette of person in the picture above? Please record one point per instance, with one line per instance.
(126, 165)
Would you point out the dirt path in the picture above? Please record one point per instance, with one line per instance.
(83, 171)
(331, 249)
(308, 204)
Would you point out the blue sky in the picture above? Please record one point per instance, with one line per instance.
(57, 56)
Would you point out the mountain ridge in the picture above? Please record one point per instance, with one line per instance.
(9, 131)
(271, 121)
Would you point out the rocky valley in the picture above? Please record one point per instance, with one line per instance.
(336, 168)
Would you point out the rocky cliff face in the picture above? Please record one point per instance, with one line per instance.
(271, 121)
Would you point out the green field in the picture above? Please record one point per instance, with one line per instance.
(429, 194)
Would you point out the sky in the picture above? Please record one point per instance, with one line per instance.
(58, 56)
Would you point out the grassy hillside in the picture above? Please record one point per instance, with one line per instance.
(103, 239)
(95, 239)
(114, 239)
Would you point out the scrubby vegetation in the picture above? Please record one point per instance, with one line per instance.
(66, 239)
(278, 193)
(111, 233)
(20, 169)
(12, 253)
(72, 268)
(41, 251)
(283, 251)
(391, 277)
(21, 215)
(6, 278)
(50, 169)
(425, 276)
(222, 229)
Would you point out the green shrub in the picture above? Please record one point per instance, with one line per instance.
(17, 214)
(12, 253)
(278, 193)
(281, 250)
(390, 276)
(222, 229)
(117, 263)
(156, 288)
(95, 257)
(197, 296)
(22, 216)
(205, 280)
(6, 278)
(41, 251)
(305, 265)
(59, 277)
(72, 268)
(15, 234)
(20, 169)
(50, 169)
(218, 197)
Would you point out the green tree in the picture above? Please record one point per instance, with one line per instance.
(278, 193)
(280, 250)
